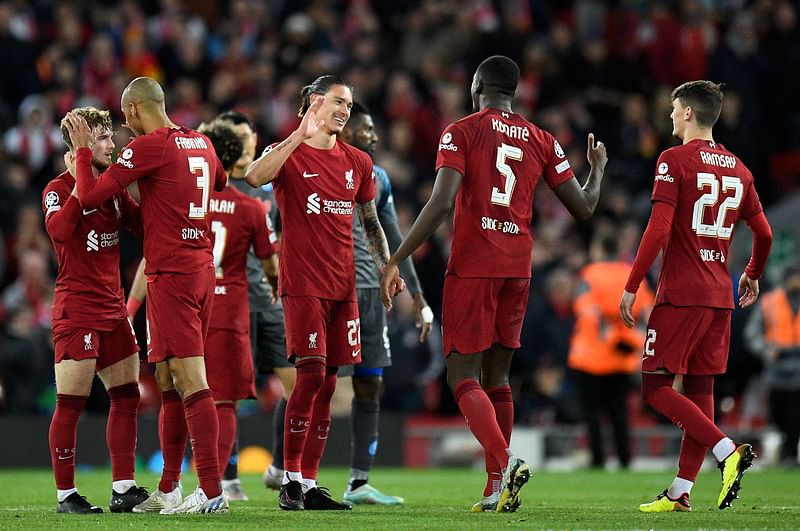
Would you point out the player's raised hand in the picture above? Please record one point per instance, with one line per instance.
(626, 309)
(596, 152)
(391, 284)
(79, 133)
(311, 123)
(748, 290)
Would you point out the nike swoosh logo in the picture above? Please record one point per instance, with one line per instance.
(62, 457)
(356, 352)
(292, 430)
(308, 175)
(87, 212)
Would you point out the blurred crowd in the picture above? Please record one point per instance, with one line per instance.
(586, 65)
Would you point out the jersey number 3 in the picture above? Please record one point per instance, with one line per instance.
(199, 164)
(504, 152)
(717, 229)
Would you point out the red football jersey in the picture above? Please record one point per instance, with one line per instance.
(237, 222)
(710, 189)
(88, 288)
(501, 156)
(176, 170)
(317, 191)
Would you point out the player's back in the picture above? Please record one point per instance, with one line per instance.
(501, 156)
(237, 221)
(176, 173)
(711, 189)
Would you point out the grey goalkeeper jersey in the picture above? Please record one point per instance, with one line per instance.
(258, 289)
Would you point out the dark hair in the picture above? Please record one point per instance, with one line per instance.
(359, 108)
(704, 97)
(225, 140)
(234, 117)
(610, 245)
(321, 85)
(500, 73)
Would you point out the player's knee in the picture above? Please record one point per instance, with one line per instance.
(367, 387)
(310, 373)
(652, 383)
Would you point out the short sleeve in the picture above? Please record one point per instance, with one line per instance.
(366, 187)
(666, 183)
(751, 205)
(556, 169)
(384, 199)
(141, 158)
(263, 236)
(452, 150)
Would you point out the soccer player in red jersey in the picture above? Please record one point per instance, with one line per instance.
(91, 331)
(237, 222)
(701, 189)
(176, 169)
(488, 166)
(319, 183)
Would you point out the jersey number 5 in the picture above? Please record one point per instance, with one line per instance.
(199, 164)
(717, 229)
(504, 151)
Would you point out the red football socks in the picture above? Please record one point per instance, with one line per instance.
(320, 426)
(700, 390)
(121, 428)
(201, 419)
(479, 413)
(226, 415)
(62, 436)
(310, 378)
(503, 403)
(172, 433)
(658, 393)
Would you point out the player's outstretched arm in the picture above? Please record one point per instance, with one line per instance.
(762, 243)
(447, 185)
(373, 233)
(581, 201)
(265, 168)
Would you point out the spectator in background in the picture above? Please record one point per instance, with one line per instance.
(35, 138)
(604, 354)
(773, 332)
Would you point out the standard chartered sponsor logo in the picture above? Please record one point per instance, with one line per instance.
(91, 241)
(106, 239)
(316, 205)
(312, 204)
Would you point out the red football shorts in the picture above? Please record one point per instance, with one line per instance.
(229, 365)
(687, 340)
(480, 312)
(74, 343)
(178, 314)
(322, 327)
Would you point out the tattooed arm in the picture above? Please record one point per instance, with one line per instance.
(373, 234)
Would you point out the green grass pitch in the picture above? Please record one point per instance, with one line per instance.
(435, 499)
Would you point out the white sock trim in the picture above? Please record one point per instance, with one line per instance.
(309, 484)
(723, 449)
(123, 485)
(63, 494)
(679, 486)
(292, 476)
